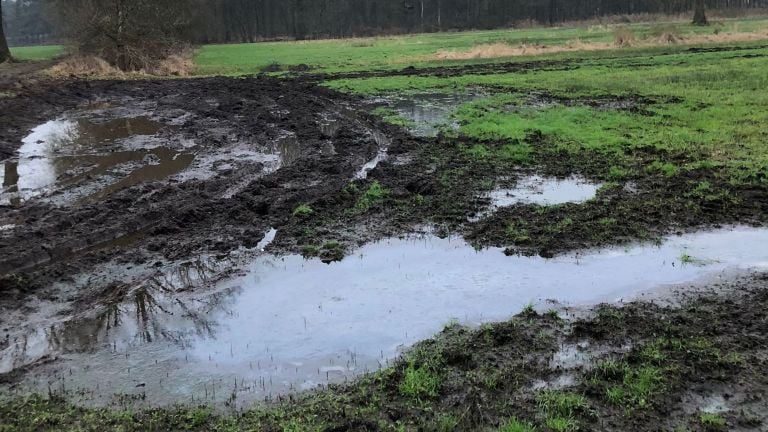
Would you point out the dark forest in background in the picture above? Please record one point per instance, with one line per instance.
(33, 21)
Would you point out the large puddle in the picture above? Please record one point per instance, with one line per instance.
(430, 112)
(289, 324)
(89, 157)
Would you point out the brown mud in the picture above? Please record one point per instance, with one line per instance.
(505, 67)
(324, 138)
(178, 218)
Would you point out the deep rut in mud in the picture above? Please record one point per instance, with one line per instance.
(237, 131)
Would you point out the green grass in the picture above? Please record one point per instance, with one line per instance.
(561, 409)
(562, 404)
(39, 52)
(420, 382)
(372, 196)
(712, 421)
(400, 51)
(703, 112)
(303, 210)
(515, 425)
(562, 424)
(652, 369)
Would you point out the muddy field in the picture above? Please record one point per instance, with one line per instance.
(166, 221)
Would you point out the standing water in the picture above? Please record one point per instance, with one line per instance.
(290, 324)
(89, 156)
(430, 112)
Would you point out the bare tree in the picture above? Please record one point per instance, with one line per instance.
(5, 53)
(699, 14)
(129, 34)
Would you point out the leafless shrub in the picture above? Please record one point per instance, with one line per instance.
(83, 65)
(666, 34)
(623, 37)
(131, 35)
(92, 66)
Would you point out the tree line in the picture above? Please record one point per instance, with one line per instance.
(129, 33)
(32, 21)
(251, 20)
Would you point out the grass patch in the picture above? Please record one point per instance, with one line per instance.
(560, 410)
(303, 211)
(39, 52)
(371, 197)
(651, 369)
(515, 425)
(420, 382)
(712, 421)
(397, 52)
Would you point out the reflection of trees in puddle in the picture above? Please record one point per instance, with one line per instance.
(155, 311)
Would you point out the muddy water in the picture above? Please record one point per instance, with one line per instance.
(545, 191)
(88, 155)
(289, 324)
(430, 111)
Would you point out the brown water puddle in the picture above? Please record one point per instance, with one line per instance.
(89, 156)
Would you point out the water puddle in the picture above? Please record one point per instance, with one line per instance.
(561, 382)
(383, 142)
(89, 157)
(430, 112)
(289, 324)
(545, 191)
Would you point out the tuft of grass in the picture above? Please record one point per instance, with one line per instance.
(420, 382)
(712, 421)
(528, 310)
(642, 384)
(515, 425)
(372, 197)
(446, 423)
(562, 424)
(198, 417)
(611, 369)
(517, 234)
(303, 211)
(562, 404)
(666, 168)
(478, 151)
(309, 251)
(516, 153)
(616, 173)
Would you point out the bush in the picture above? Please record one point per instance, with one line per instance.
(623, 37)
(130, 35)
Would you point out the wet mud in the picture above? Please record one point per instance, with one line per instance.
(159, 194)
(209, 158)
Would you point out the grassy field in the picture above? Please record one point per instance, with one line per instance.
(708, 106)
(40, 52)
(400, 51)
